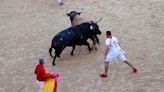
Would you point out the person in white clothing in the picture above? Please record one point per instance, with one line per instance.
(60, 2)
(113, 51)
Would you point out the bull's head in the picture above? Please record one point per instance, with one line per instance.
(72, 14)
(95, 28)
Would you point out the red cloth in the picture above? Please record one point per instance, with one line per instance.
(110, 37)
(41, 74)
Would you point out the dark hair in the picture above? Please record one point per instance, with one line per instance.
(108, 33)
(41, 61)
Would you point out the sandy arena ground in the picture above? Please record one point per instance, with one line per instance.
(27, 27)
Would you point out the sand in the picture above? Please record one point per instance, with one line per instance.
(28, 26)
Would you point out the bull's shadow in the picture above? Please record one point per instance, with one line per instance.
(76, 35)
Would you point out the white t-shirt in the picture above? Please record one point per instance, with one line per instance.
(114, 47)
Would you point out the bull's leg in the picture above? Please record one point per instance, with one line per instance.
(89, 48)
(94, 42)
(97, 40)
(53, 63)
(73, 48)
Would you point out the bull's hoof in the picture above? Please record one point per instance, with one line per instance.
(53, 64)
(90, 49)
(96, 49)
(72, 54)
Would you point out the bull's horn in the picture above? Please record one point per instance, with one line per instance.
(98, 20)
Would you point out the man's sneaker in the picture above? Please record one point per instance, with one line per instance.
(135, 70)
(104, 75)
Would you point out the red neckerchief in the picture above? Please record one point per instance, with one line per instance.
(110, 37)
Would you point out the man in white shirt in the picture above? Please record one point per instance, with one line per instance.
(113, 51)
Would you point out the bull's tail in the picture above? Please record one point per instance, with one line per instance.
(50, 51)
(53, 46)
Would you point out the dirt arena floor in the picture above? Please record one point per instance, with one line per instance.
(28, 26)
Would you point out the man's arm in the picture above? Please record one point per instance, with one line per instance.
(46, 75)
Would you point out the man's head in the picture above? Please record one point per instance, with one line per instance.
(41, 61)
(108, 33)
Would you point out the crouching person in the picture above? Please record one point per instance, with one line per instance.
(42, 75)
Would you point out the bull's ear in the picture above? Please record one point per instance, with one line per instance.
(91, 27)
(68, 14)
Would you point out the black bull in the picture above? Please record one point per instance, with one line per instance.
(72, 17)
(76, 35)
